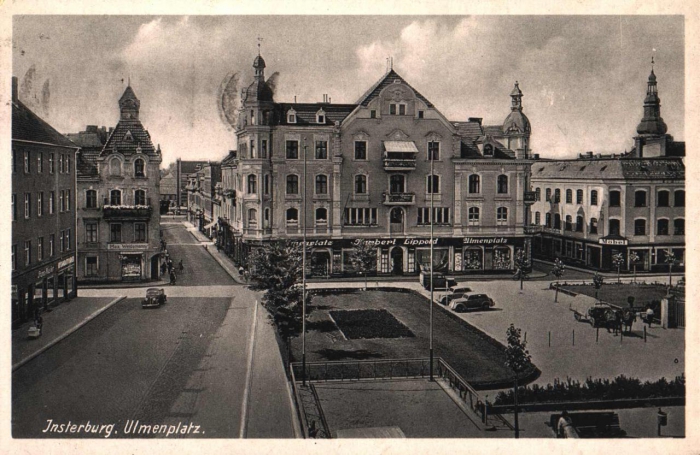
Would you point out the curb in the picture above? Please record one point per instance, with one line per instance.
(221, 263)
(66, 334)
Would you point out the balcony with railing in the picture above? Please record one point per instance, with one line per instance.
(399, 198)
(401, 162)
(533, 229)
(127, 212)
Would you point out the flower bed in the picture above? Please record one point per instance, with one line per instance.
(356, 324)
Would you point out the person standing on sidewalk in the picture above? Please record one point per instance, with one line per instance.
(173, 278)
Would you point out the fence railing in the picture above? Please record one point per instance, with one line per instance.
(363, 369)
(466, 392)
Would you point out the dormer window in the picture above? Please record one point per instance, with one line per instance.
(321, 117)
(291, 116)
(128, 136)
(488, 150)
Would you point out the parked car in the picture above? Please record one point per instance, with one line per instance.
(440, 281)
(472, 302)
(453, 293)
(154, 298)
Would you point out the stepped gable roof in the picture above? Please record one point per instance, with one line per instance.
(87, 164)
(388, 79)
(306, 112)
(127, 136)
(468, 129)
(610, 168)
(27, 126)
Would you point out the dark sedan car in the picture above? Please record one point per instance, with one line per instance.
(454, 293)
(472, 302)
(154, 298)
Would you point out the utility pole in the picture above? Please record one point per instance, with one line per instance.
(303, 273)
(432, 216)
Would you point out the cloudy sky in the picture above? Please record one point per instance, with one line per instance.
(583, 77)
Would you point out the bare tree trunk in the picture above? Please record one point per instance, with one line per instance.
(515, 396)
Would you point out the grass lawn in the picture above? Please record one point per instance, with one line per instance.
(617, 293)
(369, 324)
(476, 357)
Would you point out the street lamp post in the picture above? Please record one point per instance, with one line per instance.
(303, 273)
(432, 215)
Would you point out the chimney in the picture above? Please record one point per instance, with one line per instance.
(14, 88)
(476, 119)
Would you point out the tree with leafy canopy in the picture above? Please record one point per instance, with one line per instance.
(558, 272)
(522, 266)
(519, 360)
(277, 270)
(634, 259)
(670, 260)
(618, 259)
(364, 259)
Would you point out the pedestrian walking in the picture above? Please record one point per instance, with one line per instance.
(564, 422)
(180, 267)
(162, 268)
(649, 315)
(173, 277)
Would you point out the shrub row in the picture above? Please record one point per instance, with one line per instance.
(619, 388)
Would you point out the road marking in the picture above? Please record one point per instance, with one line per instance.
(246, 392)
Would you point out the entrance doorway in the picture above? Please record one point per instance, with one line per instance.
(320, 263)
(397, 261)
(154, 267)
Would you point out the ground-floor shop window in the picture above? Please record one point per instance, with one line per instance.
(579, 251)
(131, 266)
(91, 266)
(501, 258)
(440, 258)
(473, 259)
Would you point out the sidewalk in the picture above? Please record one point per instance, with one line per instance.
(58, 324)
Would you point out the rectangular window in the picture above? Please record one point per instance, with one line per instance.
(139, 232)
(292, 150)
(14, 207)
(14, 162)
(433, 151)
(91, 199)
(373, 114)
(52, 203)
(360, 150)
(40, 204)
(115, 233)
(61, 201)
(614, 199)
(640, 227)
(433, 184)
(69, 245)
(91, 232)
(27, 205)
(61, 242)
(52, 243)
(252, 149)
(441, 215)
(27, 252)
(569, 196)
(420, 114)
(594, 197)
(27, 164)
(402, 109)
(40, 163)
(40, 249)
(360, 216)
(579, 196)
(263, 148)
(60, 163)
(68, 164)
(67, 200)
(321, 150)
(640, 198)
(51, 163)
(91, 266)
(392, 109)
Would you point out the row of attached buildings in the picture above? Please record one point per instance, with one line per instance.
(369, 172)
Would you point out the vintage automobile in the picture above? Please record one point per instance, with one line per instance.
(472, 302)
(154, 298)
(453, 293)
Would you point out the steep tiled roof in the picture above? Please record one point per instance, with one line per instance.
(626, 168)
(388, 79)
(168, 184)
(306, 112)
(469, 150)
(28, 126)
(128, 135)
(190, 167)
(493, 130)
(87, 140)
(87, 165)
(468, 129)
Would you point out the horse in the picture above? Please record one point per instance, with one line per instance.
(628, 318)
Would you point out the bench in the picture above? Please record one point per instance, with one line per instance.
(604, 424)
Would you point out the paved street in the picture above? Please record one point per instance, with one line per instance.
(186, 363)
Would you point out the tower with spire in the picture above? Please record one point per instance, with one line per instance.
(516, 126)
(651, 139)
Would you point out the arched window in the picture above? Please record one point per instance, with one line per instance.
(557, 221)
(115, 166)
(614, 196)
(548, 195)
(474, 184)
(291, 116)
(90, 199)
(321, 184)
(579, 196)
(292, 184)
(321, 215)
(548, 220)
(139, 197)
(139, 168)
(502, 184)
(501, 215)
(115, 197)
(266, 219)
(662, 226)
(292, 215)
(640, 198)
(663, 199)
(640, 226)
(473, 215)
(569, 196)
(360, 184)
(567, 223)
(614, 227)
(594, 197)
(252, 184)
(252, 217)
(579, 224)
(433, 184)
(557, 196)
(594, 226)
(679, 226)
(679, 198)
(538, 194)
(537, 218)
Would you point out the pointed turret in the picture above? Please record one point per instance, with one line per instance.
(258, 90)
(516, 120)
(129, 105)
(652, 124)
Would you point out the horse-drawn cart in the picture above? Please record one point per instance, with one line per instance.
(607, 316)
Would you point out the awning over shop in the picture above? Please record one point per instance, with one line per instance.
(210, 225)
(400, 146)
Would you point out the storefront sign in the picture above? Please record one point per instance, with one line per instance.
(66, 262)
(127, 246)
(612, 241)
(45, 272)
(485, 240)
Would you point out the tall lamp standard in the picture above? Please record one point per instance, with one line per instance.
(303, 274)
(432, 215)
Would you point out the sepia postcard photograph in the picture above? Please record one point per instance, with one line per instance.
(298, 226)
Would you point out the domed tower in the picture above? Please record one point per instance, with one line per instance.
(516, 127)
(652, 129)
